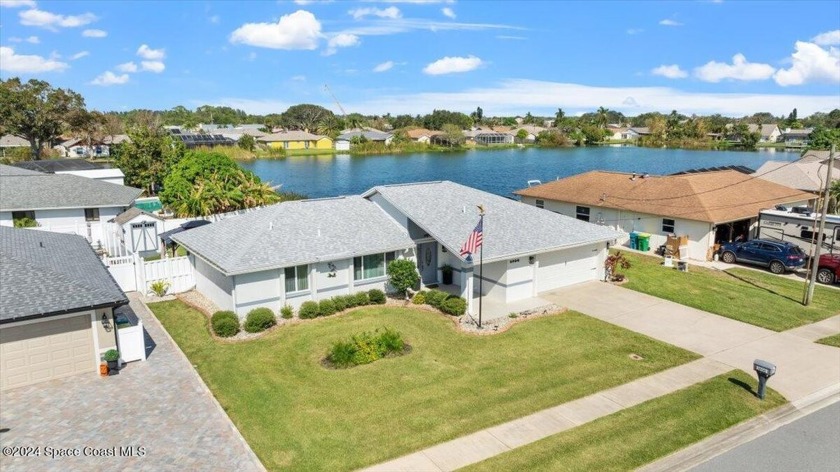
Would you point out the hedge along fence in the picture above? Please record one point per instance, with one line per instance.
(366, 347)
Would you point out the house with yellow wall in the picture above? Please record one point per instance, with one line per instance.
(296, 140)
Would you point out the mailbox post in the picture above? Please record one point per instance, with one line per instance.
(765, 370)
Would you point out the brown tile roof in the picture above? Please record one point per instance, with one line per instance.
(715, 197)
(420, 132)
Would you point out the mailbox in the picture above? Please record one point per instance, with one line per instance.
(765, 370)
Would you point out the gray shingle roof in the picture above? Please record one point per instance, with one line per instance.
(37, 191)
(47, 274)
(447, 211)
(51, 166)
(12, 170)
(296, 232)
(130, 214)
(290, 136)
(10, 140)
(370, 135)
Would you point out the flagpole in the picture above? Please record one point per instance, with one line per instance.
(481, 267)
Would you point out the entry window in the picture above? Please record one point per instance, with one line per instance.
(371, 266)
(91, 214)
(582, 213)
(297, 278)
(667, 225)
(540, 203)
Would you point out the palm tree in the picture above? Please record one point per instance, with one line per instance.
(834, 197)
(603, 117)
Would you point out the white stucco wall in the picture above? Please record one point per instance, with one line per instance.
(69, 220)
(213, 284)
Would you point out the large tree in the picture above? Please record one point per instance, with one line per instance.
(206, 182)
(147, 157)
(36, 111)
(304, 117)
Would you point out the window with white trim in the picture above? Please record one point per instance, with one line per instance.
(540, 203)
(582, 213)
(668, 225)
(297, 278)
(91, 214)
(371, 266)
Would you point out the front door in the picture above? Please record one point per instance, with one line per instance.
(427, 262)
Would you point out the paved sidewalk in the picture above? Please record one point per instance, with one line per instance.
(161, 405)
(489, 442)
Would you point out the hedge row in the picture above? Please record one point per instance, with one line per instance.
(449, 304)
(331, 306)
(226, 324)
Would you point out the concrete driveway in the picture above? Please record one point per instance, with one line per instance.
(804, 368)
(160, 405)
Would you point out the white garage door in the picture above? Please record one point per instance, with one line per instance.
(45, 350)
(563, 268)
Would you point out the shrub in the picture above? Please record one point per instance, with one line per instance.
(419, 298)
(326, 307)
(286, 312)
(402, 275)
(225, 326)
(366, 347)
(224, 314)
(455, 306)
(342, 354)
(436, 298)
(309, 310)
(259, 319)
(340, 302)
(111, 355)
(376, 296)
(361, 299)
(390, 341)
(25, 222)
(159, 287)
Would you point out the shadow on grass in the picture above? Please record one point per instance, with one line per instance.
(743, 385)
(750, 282)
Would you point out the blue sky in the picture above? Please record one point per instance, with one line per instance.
(729, 57)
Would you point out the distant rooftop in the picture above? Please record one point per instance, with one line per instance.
(51, 166)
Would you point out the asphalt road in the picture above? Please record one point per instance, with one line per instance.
(811, 443)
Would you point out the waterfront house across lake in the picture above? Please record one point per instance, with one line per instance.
(296, 140)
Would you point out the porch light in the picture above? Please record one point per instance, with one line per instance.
(105, 323)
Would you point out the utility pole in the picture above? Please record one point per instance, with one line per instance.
(816, 259)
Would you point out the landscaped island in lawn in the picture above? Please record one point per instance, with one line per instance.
(641, 434)
(297, 414)
(747, 295)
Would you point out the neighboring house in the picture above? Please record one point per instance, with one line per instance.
(796, 137)
(57, 305)
(635, 133)
(314, 249)
(368, 134)
(194, 140)
(80, 167)
(531, 132)
(295, 251)
(9, 141)
(616, 134)
(490, 138)
(296, 140)
(807, 176)
(421, 135)
(769, 133)
(139, 231)
(62, 203)
(76, 148)
(708, 207)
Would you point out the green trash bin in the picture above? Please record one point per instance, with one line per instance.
(644, 241)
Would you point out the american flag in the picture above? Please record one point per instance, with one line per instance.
(474, 241)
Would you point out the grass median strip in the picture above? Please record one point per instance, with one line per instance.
(751, 296)
(831, 340)
(641, 434)
(296, 414)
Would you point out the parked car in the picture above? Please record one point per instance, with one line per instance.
(828, 271)
(779, 257)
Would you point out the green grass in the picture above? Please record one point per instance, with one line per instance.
(641, 434)
(298, 415)
(831, 340)
(751, 296)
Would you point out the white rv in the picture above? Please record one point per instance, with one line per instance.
(800, 229)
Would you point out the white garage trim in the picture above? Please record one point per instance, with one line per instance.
(567, 267)
(41, 320)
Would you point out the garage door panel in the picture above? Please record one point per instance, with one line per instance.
(562, 268)
(46, 350)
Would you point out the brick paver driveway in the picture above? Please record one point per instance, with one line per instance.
(160, 405)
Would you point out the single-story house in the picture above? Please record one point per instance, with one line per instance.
(492, 137)
(62, 203)
(616, 134)
(296, 140)
(421, 135)
(635, 132)
(796, 137)
(57, 305)
(76, 147)
(10, 141)
(769, 133)
(708, 207)
(346, 138)
(80, 167)
(296, 251)
(531, 132)
(807, 176)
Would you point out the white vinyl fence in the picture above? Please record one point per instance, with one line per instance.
(132, 273)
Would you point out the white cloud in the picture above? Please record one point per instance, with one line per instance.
(153, 66)
(670, 22)
(740, 69)
(811, 63)
(390, 12)
(20, 63)
(672, 71)
(299, 78)
(830, 38)
(384, 67)
(450, 65)
(632, 31)
(108, 78)
(94, 33)
(53, 21)
(447, 12)
(31, 40)
(127, 67)
(341, 40)
(17, 3)
(511, 38)
(79, 55)
(150, 54)
(298, 30)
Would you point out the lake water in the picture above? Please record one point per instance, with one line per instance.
(496, 171)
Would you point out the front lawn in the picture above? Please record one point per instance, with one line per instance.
(754, 297)
(641, 434)
(831, 340)
(298, 415)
